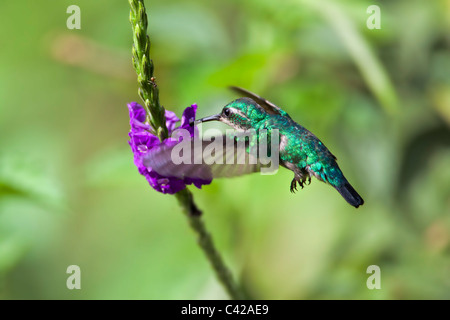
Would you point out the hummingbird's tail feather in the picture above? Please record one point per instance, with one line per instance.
(350, 194)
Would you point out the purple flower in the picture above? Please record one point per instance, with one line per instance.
(171, 120)
(142, 140)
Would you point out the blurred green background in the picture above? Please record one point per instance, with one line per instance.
(379, 99)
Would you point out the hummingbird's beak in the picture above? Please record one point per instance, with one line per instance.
(206, 119)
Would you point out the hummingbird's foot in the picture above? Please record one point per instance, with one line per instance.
(302, 180)
(309, 180)
(293, 185)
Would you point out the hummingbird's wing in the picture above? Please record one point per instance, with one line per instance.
(222, 156)
(270, 107)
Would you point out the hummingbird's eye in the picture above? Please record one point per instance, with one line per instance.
(226, 112)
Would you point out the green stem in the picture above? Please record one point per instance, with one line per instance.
(148, 89)
(206, 243)
(149, 93)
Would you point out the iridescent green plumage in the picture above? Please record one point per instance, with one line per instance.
(300, 150)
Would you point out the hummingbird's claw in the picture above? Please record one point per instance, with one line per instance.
(293, 185)
(301, 181)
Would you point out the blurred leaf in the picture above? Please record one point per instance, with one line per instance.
(12, 249)
(243, 71)
(185, 30)
(363, 55)
(23, 175)
(112, 167)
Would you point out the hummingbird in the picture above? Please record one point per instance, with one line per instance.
(299, 149)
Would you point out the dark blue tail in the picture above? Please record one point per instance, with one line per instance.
(350, 194)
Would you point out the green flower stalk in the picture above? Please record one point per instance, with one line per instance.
(155, 114)
(148, 90)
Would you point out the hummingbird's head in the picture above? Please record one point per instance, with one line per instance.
(241, 113)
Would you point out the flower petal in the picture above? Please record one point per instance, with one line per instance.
(187, 117)
(137, 117)
(171, 120)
